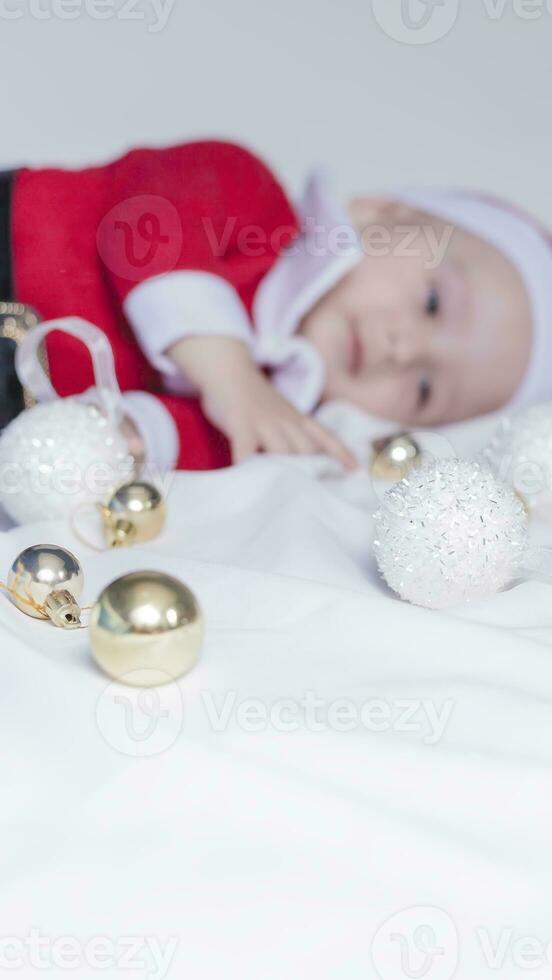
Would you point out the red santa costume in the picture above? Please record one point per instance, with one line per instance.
(169, 243)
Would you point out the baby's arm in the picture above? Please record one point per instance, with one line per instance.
(185, 306)
(240, 401)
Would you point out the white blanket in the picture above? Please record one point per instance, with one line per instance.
(336, 759)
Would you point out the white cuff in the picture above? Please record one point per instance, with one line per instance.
(180, 304)
(156, 427)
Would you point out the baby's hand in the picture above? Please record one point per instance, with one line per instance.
(242, 403)
(256, 418)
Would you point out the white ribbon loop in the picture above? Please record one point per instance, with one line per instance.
(34, 378)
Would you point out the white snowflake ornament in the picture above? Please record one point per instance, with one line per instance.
(54, 457)
(521, 454)
(450, 532)
(63, 452)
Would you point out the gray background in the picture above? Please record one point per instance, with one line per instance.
(303, 81)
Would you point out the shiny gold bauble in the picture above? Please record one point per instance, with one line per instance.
(524, 502)
(135, 513)
(395, 456)
(50, 577)
(146, 629)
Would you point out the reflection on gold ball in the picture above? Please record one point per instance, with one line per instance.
(146, 629)
(395, 456)
(41, 570)
(135, 513)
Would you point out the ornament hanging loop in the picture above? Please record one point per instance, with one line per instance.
(34, 378)
(119, 533)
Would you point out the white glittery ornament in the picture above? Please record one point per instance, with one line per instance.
(64, 452)
(521, 454)
(450, 532)
(54, 457)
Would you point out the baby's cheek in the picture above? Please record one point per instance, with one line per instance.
(383, 395)
(328, 335)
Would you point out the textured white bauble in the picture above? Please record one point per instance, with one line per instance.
(56, 456)
(521, 454)
(450, 532)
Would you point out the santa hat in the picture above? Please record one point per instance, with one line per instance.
(528, 248)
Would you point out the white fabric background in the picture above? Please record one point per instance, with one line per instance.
(274, 854)
(314, 82)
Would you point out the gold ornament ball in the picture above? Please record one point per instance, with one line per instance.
(395, 456)
(146, 629)
(41, 571)
(135, 513)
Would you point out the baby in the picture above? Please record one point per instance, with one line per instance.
(246, 312)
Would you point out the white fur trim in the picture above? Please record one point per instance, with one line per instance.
(156, 427)
(181, 304)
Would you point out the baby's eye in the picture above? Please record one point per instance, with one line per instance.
(424, 392)
(433, 302)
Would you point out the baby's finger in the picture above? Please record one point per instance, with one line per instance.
(275, 440)
(301, 442)
(243, 444)
(331, 445)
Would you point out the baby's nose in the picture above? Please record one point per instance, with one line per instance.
(409, 340)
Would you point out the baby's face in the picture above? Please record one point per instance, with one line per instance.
(431, 330)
